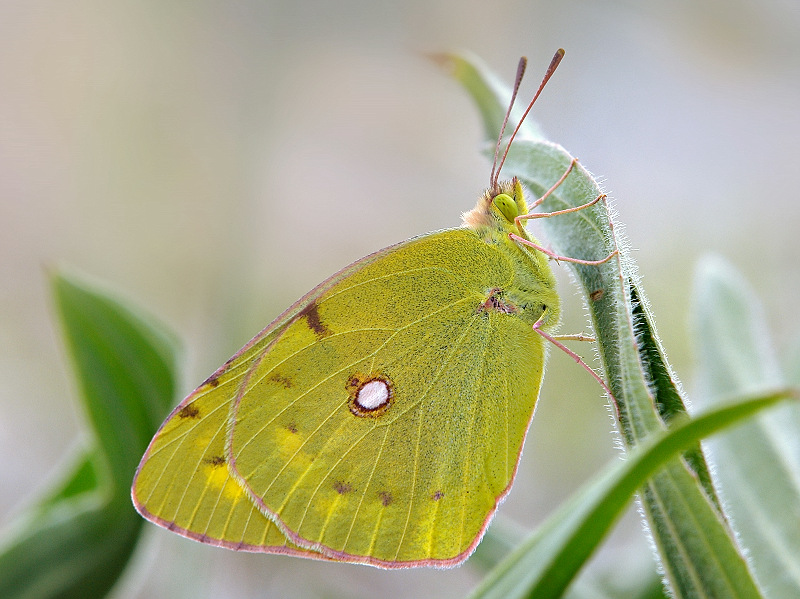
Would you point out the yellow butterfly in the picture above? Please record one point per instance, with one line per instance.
(380, 418)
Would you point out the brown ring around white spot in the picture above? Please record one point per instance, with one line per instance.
(370, 395)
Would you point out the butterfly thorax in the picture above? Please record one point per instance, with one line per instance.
(493, 220)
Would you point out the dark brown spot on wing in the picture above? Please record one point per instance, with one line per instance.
(189, 411)
(211, 382)
(215, 461)
(437, 496)
(292, 427)
(342, 487)
(281, 379)
(311, 314)
(386, 497)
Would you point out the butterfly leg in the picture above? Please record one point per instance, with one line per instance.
(553, 187)
(558, 258)
(547, 193)
(555, 341)
(602, 197)
(530, 215)
(575, 337)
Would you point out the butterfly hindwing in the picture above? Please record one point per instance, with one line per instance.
(416, 483)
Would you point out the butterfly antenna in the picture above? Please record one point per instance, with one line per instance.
(549, 73)
(523, 62)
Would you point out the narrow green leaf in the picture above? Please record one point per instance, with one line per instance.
(758, 464)
(125, 367)
(86, 476)
(668, 400)
(698, 552)
(545, 564)
(76, 541)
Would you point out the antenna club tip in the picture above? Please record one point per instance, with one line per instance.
(554, 63)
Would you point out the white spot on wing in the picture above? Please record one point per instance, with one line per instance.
(373, 395)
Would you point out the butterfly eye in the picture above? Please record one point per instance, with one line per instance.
(507, 206)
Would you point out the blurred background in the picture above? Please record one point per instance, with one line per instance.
(213, 161)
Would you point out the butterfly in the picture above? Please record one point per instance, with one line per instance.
(379, 419)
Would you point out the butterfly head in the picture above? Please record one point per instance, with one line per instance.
(497, 209)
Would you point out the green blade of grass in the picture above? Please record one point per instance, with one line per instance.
(546, 563)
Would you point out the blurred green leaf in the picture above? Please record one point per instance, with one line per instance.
(546, 563)
(758, 464)
(735, 353)
(86, 476)
(634, 585)
(76, 541)
(698, 552)
(125, 364)
(502, 536)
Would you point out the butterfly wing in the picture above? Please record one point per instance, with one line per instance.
(273, 441)
(183, 482)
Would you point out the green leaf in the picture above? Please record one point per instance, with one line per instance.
(735, 353)
(86, 476)
(758, 464)
(76, 541)
(635, 584)
(698, 552)
(125, 365)
(545, 564)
